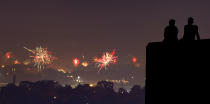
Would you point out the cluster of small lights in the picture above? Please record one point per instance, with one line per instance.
(78, 79)
(118, 81)
(70, 76)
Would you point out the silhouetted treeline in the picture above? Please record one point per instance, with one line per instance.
(51, 92)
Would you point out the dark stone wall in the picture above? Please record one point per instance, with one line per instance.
(178, 73)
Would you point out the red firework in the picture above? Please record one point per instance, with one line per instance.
(8, 55)
(106, 59)
(76, 62)
(134, 59)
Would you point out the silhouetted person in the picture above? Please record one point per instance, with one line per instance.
(170, 33)
(190, 31)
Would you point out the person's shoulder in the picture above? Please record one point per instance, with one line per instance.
(175, 28)
(167, 27)
(185, 26)
(195, 26)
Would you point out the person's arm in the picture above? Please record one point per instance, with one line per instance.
(177, 31)
(197, 33)
(165, 33)
(184, 35)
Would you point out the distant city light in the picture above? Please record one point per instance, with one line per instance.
(13, 69)
(138, 65)
(70, 76)
(3, 66)
(118, 81)
(78, 79)
(91, 85)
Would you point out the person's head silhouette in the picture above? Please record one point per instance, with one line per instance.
(190, 21)
(171, 22)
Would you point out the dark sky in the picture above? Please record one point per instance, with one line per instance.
(72, 28)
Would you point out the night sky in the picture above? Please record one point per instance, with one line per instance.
(76, 28)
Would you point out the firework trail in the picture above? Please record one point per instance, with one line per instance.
(41, 57)
(106, 59)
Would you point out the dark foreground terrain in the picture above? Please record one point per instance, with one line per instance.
(51, 92)
(178, 72)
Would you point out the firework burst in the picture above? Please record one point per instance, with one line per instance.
(76, 62)
(41, 57)
(106, 59)
(134, 59)
(84, 64)
(8, 55)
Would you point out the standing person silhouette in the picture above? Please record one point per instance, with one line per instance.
(170, 33)
(190, 31)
